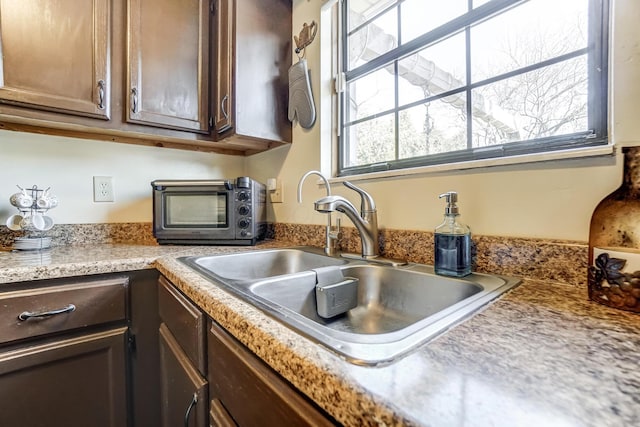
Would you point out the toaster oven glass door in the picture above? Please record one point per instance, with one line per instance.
(199, 210)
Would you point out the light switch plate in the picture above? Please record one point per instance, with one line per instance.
(277, 195)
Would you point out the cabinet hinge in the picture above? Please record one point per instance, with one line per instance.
(131, 342)
(210, 122)
(212, 7)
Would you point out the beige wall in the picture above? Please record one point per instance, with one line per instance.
(547, 200)
(68, 165)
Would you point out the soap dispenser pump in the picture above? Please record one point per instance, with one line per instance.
(452, 241)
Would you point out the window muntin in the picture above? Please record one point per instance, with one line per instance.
(465, 89)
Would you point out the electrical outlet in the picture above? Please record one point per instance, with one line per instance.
(103, 189)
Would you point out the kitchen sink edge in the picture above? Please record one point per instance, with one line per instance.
(359, 349)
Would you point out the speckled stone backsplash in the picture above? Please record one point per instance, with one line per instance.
(76, 234)
(550, 260)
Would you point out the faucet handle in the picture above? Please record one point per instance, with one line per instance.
(367, 205)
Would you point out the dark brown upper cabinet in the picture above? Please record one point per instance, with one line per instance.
(253, 55)
(208, 75)
(168, 63)
(56, 55)
(224, 66)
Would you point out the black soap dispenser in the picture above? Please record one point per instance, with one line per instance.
(452, 241)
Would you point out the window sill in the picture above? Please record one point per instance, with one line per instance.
(605, 150)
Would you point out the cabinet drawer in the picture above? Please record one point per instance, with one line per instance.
(40, 311)
(185, 321)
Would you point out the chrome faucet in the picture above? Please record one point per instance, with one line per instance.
(332, 234)
(366, 221)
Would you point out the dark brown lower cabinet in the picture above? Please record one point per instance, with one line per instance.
(244, 391)
(183, 390)
(70, 382)
(120, 350)
(218, 415)
(183, 384)
(80, 351)
(216, 379)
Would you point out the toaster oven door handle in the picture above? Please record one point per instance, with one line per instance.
(160, 185)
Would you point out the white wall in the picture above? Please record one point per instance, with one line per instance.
(68, 165)
(550, 200)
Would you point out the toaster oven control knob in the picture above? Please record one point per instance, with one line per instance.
(243, 196)
(244, 210)
(243, 223)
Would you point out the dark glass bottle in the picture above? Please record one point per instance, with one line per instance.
(614, 241)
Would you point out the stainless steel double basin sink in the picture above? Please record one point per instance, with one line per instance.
(398, 308)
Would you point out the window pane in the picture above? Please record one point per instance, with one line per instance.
(372, 141)
(534, 72)
(435, 127)
(546, 102)
(364, 10)
(421, 16)
(377, 37)
(371, 94)
(431, 71)
(527, 35)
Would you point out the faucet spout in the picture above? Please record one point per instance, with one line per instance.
(368, 228)
(305, 176)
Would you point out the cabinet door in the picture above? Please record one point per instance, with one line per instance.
(224, 65)
(183, 390)
(72, 382)
(168, 63)
(262, 57)
(55, 55)
(253, 394)
(218, 415)
(185, 321)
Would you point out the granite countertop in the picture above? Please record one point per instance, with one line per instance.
(541, 355)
